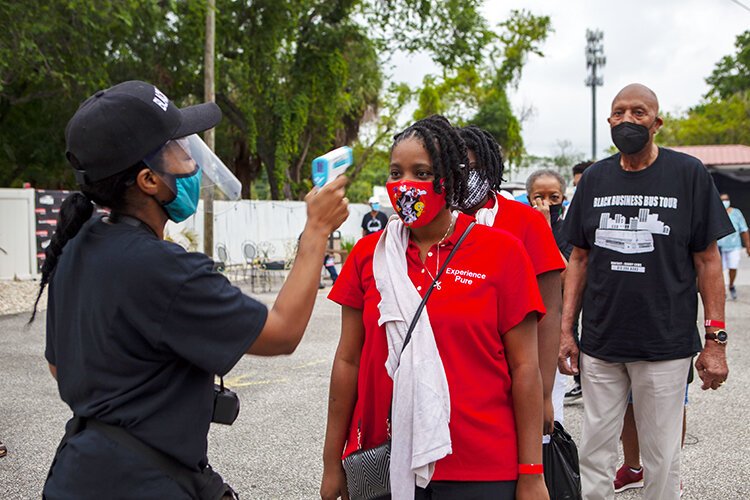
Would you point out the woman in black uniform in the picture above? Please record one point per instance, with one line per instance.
(136, 326)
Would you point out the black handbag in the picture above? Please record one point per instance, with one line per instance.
(562, 474)
(368, 471)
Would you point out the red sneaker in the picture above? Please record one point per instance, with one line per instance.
(626, 479)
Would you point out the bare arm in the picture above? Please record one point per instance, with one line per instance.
(746, 241)
(575, 283)
(522, 353)
(549, 339)
(712, 361)
(53, 370)
(326, 210)
(341, 399)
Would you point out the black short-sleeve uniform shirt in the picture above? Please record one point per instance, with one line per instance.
(374, 224)
(137, 327)
(641, 230)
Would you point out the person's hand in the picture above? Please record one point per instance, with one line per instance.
(567, 360)
(531, 487)
(333, 485)
(747, 249)
(712, 365)
(327, 208)
(549, 417)
(543, 207)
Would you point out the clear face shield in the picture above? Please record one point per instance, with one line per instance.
(192, 171)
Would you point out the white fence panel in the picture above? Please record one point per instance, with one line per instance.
(271, 225)
(275, 225)
(17, 236)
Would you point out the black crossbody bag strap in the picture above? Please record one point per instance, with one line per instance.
(427, 296)
(432, 286)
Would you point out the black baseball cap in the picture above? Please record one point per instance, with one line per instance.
(116, 128)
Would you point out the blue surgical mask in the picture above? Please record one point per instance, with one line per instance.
(375, 206)
(185, 203)
(726, 203)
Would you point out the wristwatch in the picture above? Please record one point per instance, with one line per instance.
(719, 336)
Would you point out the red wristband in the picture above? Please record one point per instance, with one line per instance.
(713, 323)
(530, 469)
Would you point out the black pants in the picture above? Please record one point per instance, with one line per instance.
(465, 490)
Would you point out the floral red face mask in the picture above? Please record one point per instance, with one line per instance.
(416, 202)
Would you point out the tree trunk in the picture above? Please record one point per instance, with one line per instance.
(246, 167)
(273, 182)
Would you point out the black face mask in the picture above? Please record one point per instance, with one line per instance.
(555, 211)
(630, 137)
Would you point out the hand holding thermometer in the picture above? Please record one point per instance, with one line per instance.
(332, 164)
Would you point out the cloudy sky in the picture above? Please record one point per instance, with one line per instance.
(668, 45)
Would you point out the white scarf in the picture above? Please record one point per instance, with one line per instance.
(421, 401)
(486, 216)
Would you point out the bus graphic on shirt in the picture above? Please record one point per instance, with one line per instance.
(634, 235)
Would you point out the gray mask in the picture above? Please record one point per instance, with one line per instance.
(477, 188)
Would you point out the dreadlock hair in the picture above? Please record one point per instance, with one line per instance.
(488, 152)
(447, 153)
(77, 208)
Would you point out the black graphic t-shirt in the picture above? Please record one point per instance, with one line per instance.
(641, 230)
(374, 224)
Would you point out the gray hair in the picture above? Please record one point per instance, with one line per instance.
(542, 173)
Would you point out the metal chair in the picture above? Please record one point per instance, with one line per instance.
(257, 275)
(220, 263)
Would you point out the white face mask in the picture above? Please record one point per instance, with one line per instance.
(726, 203)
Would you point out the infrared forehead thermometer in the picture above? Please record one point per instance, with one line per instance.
(332, 164)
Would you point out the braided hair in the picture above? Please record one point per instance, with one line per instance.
(488, 152)
(447, 153)
(76, 209)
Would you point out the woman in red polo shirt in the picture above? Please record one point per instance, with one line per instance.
(531, 228)
(474, 389)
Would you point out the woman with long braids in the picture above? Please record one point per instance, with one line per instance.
(462, 404)
(137, 328)
(531, 228)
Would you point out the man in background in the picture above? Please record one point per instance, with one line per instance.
(731, 245)
(374, 220)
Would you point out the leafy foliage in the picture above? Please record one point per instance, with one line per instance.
(732, 73)
(477, 93)
(52, 56)
(295, 78)
(724, 115)
(716, 121)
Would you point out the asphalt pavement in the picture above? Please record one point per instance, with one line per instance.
(273, 451)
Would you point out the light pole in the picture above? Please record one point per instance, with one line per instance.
(209, 95)
(594, 59)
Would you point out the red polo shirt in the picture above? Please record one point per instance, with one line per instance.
(529, 226)
(488, 288)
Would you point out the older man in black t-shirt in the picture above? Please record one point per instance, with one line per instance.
(644, 225)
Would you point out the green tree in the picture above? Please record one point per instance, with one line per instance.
(716, 121)
(294, 78)
(477, 92)
(732, 73)
(52, 56)
(723, 117)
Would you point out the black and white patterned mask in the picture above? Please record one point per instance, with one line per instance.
(478, 187)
